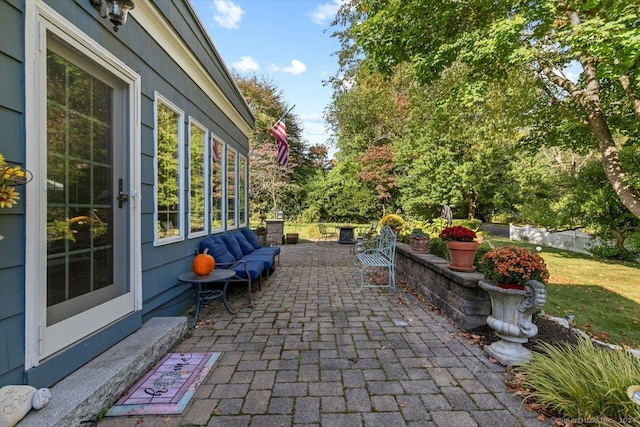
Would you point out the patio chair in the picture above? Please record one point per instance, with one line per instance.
(325, 234)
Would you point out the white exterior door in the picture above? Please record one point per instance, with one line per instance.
(81, 248)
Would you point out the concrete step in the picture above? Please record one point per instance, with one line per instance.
(101, 382)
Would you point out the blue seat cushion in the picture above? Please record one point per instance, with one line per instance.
(266, 259)
(251, 238)
(273, 250)
(232, 245)
(245, 246)
(217, 249)
(255, 269)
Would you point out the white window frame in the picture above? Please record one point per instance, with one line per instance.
(242, 222)
(205, 177)
(222, 159)
(235, 186)
(158, 241)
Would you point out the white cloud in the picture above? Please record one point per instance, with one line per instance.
(246, 63)
(314, 128)
(228, 14)
(295, 68)
(312, 117)
(325, 12)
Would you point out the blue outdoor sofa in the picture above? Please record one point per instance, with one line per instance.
(240, 251)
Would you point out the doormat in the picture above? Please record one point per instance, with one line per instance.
(168, 387)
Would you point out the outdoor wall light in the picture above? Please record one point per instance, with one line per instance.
(116, 10)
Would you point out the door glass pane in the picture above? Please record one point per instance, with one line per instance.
(168, 135)
(80, 226)
(197, 200)
(231, 188)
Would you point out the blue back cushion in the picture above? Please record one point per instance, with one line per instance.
(232, 245)
(245, 246)
(217, 249)
(251, 238)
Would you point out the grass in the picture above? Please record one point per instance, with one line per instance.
(603, 295)
(582, 382)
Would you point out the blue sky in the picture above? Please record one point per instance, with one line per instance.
(286, 41)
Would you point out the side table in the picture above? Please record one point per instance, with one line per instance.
(346, 235)
(218, 275)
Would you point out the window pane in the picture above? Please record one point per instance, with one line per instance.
(231, 189)
(242, 199)
(197, 198)
(216, 184)
(168, 189)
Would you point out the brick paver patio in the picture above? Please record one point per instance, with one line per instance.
(313, 351)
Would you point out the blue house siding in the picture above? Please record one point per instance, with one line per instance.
(12, 248)
(162, 295)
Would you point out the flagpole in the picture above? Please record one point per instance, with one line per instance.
(285, 114)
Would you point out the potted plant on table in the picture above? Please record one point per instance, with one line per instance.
(419, 240)
(395, 222)
(462, 247)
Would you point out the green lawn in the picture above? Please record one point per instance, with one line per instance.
(603, 295)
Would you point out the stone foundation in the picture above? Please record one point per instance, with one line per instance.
(456, 294)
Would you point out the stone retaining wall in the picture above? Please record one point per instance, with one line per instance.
(457, 295)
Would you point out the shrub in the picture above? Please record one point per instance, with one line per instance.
(438, 247)
(392, 220)
(610, 251)
(582, 381)
(483, 248)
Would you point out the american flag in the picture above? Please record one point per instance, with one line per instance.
(279, 130)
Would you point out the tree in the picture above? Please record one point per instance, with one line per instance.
(599, 38)
(270, 184)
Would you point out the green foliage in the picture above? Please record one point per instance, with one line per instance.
(583, 381)
(495, 76)
(483, 248)
(471, 224)
(610, 251)
(438, 247)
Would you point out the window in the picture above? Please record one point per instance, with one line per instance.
(217, 184)
(231, 188)
(242, 192)
(168, 158)
(198, 206)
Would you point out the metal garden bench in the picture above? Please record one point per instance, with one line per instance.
(377, 254)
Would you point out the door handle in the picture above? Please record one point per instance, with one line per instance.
(123, 196)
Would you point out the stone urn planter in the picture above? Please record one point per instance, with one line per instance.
(511, 311)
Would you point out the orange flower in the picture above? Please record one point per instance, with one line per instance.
(514, 265)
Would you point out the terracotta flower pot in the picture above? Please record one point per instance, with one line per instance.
(462, 255)
(419, 245)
